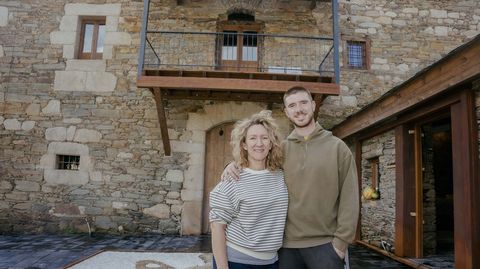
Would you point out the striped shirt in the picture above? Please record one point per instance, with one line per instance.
(254, 209)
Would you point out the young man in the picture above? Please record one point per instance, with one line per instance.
(322, 184)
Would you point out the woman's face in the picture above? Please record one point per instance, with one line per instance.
(257, 144)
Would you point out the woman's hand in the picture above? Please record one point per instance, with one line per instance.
(219, 244)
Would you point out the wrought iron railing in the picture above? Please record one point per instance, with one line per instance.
(243, 52)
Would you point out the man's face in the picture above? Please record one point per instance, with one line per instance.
(299, 108)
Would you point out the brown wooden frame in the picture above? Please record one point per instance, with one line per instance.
(96, 21)
(240, 27)
(367, 44)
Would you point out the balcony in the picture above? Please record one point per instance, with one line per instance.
(240, 62)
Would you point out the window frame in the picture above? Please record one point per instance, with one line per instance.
(96, 21)
(345, 53)
(240, 27)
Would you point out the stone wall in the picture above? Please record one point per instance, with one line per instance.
(378, 216)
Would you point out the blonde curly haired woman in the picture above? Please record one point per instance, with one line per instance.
(248, 215)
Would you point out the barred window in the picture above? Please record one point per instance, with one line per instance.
(68, 162)
(356, 54)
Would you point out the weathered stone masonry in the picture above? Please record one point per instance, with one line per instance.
(51, 103)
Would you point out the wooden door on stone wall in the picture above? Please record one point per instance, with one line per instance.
(217, 154)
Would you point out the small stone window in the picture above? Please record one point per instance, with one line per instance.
(92, 36)
(68, 162)
(356, 54)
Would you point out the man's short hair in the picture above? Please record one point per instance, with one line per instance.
(294, 90)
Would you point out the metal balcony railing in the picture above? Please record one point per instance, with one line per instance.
(242, 52)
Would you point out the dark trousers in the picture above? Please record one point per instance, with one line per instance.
(234, 265)
(318, 257)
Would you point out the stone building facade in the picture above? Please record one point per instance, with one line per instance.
(53, 104)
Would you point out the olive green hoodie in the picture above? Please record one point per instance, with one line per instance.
(323, 191)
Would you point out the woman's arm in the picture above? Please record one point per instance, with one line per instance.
(219, 244)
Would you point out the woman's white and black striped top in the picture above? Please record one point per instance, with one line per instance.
(254, 209)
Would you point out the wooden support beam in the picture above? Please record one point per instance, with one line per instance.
(233, 84)
(162, 119)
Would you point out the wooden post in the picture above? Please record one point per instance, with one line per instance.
(162, 119)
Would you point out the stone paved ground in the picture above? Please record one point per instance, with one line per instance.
(57, 251)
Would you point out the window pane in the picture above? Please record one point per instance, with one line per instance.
(356, 54)
(250, 39)
(87, 38)
(230, 38)
(101, 38)
(249, 54)
(229, 53)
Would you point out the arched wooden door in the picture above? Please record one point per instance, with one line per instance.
(217, 154)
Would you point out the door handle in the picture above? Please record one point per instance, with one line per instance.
(413, 214)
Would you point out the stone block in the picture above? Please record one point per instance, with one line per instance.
(1, 119)
(33, 110)
(22, 206)
(52, 108)
(12, 124)
(117, 38)
(192, 195)
(72, 120)
(100, 82)
(56, 134)
(174, 176)
(86, 65)
(86, 135)
(67, 148)
(22, 98)
(71, 132)
(438, 14)
(104, 222)
(5, 185)
(125, 155)
(69, 24)
(96, 176)
(59, 37)
(68, 51)
(65, 177)
(29, 186)
(192, 218)
(70, 81)
(93, 9)
(160, 211)
(3, 16)
(111, 24)
(441, 30)
(28, 125)
(2, 53)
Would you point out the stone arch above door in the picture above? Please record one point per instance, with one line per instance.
(198, 124)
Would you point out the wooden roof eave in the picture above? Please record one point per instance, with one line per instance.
(272, 89)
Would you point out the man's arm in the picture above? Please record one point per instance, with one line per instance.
(349, 204)
(231, 170)
(219, 244)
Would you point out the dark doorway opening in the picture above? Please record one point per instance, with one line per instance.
(438, 218)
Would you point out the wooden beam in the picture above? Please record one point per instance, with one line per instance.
(405, 192)
(232, 84)
(162, 119)
(459, 68)
(466, 182)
